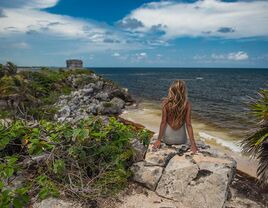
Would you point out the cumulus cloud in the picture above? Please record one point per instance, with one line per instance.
(20, 45)
(130, 23)
(140, 56)
(2, 14)
(116, 54)
(205, 18)
(238, 56)
(233, 56)
(30, 4)
(30, 18)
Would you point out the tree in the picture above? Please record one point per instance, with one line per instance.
(256, 144)
(2, 72)
(16, 92)
(10, 68)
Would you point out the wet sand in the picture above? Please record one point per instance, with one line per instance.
(149, 115)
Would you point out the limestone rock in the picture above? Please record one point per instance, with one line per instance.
(205, 176)
(139, 150)
(56, 203)
(176, 177)
(159, 157)
(102, 96)
(146, 175)
(118, 102)
(64, 113)
(97, 97)
(105, 108)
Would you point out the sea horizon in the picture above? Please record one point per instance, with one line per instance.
(141, 67)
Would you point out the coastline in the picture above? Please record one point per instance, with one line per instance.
(148, 114)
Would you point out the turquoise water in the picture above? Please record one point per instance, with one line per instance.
(218, 96)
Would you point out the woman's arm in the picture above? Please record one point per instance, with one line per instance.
(162, 128)
(190, 128)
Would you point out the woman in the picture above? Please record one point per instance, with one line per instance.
(176, 117)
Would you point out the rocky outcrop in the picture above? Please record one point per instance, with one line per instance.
(146, 175)
(139, 150)
(56, 203)
(195, 181)
(93, 95)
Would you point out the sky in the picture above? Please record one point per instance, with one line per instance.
(135, 33)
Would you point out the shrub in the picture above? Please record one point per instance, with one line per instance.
(86, 161)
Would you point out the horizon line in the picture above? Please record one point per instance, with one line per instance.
(147, 67)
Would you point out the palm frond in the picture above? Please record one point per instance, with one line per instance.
(262, 171)
(256, 144)
(252, 144)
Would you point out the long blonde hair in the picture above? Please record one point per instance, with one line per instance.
(176, 101)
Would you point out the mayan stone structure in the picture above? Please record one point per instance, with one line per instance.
(74, 64)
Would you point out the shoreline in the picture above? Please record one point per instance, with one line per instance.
(148, 114)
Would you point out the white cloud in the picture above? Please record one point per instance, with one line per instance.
(20, 45)
(233, 56)
(218, 56)
(28, 17)
(139, 57)
(238, 56)
(143, 54)
(116, 54)
(206, 18)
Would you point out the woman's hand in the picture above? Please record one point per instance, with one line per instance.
(194, 149)
(157, 144)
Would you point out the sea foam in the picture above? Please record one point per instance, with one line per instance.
(225, 143)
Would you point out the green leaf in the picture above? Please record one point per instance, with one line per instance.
(9, 172)
(1, 185)
(59, 167)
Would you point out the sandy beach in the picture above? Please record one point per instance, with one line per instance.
(148, 114)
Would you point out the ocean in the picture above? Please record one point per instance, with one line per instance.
(218, 96)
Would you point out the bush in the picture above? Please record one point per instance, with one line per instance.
(86, 161)
(31, 94)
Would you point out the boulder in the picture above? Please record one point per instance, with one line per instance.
(146, 175)
(103, 96)
(99, 85)
(112, 107)
(122, 94)
(56, 203)
(105, 108)
(159, 157)
(139, 150)
(205, 176)
(63, 113)
(176, 177)
(87, 91)
(118, 102)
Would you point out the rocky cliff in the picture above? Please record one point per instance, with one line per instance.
(97, 97)
(194, 181)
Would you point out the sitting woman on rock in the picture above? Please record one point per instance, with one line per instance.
(176, 118)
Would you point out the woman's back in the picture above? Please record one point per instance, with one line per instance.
(174, 123)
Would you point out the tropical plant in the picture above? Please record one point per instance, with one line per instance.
(87, 160)
(256, 144)
(2, 72)
(31, 93)
(10, 68)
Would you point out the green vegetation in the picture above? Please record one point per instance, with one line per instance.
(87, 160)
(30, 94)
(256, 144)
(84, 161)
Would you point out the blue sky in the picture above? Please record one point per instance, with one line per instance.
(135, 33)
